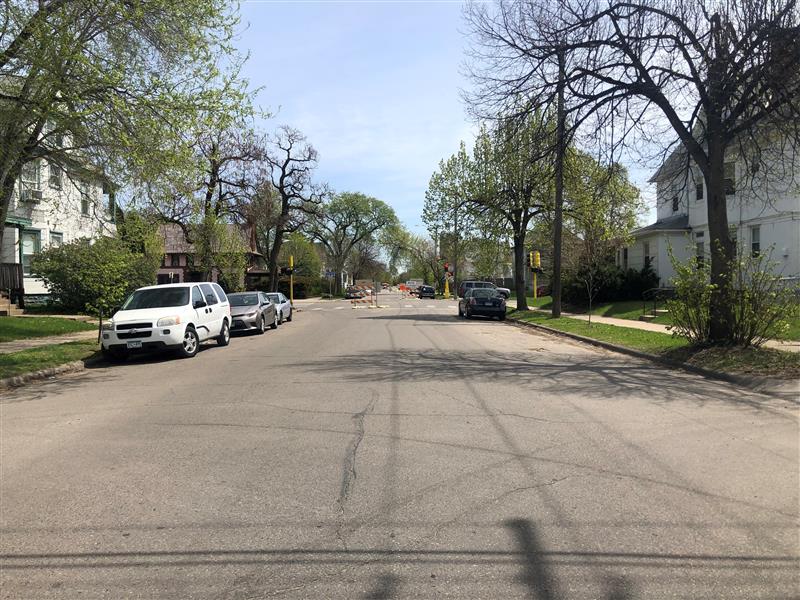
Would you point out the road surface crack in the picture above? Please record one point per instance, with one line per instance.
(349, 472)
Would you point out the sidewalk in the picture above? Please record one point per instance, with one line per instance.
(28, 343)
(786, 346)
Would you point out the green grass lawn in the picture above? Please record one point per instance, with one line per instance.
(637, 339)
(632, 310)
(36, 359)
(19, 328)
(750, 361)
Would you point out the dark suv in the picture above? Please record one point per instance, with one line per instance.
(426, 291)
(469, 285)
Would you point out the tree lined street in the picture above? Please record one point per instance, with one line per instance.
(411, 454)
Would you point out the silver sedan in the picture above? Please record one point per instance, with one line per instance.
(283, 305)
(253, 311)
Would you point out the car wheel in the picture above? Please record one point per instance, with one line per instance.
(274, 321)
(289, 318)
(262, 324)
(460, 312)
(502, 317)
(190, 344)
(280, 318)
(468, 314)
(115, 356)
(224, 337)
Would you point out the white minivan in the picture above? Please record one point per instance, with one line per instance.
(176, 316)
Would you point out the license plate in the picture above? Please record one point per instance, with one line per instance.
(135, 344)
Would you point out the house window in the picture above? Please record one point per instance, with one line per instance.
(31, 244)
(30, 188)
(730, 178)
(625, 259)
(698, 191)
(755, 240)
(56, 175)
(700, 253)
(56, 239)
(647, 258)
(675, 204)
(85, 197)
(174, 260)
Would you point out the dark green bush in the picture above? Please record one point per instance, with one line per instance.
(92, 276)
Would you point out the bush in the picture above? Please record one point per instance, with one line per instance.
(761, 306)
(92, 276)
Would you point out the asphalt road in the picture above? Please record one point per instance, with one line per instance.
(397, 453)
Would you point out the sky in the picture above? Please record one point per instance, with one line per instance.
(374, 85)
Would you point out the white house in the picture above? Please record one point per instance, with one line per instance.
(51, 207)
(763, 214)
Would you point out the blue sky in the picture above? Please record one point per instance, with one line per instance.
(373, 85)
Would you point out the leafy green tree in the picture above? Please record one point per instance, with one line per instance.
(307, 260)
(117, 84)
(94, 276)
(346, 220)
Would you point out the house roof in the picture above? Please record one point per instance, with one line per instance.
(175, 240)
(676, 223)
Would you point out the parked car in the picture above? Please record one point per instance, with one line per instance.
(252, 311)
(178, 316)
(425, 291)
(282, 305)
(352, 293)
(468, 285)
(482, 301)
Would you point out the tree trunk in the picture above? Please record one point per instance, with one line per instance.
(6, 194)
(272, 265)
(519, 268)
(720, 245)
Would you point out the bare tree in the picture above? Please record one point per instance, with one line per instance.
(718, 75)
(291, 161)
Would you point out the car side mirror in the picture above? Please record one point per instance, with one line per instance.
(199, 303)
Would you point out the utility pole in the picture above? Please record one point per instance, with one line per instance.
(557, 222)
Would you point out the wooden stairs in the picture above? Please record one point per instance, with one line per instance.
(7, 309)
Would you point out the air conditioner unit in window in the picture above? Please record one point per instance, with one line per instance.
(31, 195)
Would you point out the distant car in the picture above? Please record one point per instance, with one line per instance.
(426, 291)
(352, 293)
(252, 311)
(282, 305)
(487, 302)
(178, 316)
(468, 285)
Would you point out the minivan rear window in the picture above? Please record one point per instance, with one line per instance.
(157, 298)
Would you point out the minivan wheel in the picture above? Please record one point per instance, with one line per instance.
(224, 337)
(190, 344)
(115, 356)
(274, 321)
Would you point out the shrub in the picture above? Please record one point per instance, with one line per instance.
(92, 276)
(761, 306)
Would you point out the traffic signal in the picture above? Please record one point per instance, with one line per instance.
(536, 259)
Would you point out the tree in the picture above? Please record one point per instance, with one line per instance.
(602, 211)
(720, 77)
(512, 182)
(291, 161)
(112, 84)
(307, 260)
(344, 221)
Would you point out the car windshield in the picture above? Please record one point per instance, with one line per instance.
(274, 298)
(157, 298)
(243, 299)
(484, 293)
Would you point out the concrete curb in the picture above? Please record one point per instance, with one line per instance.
(756, 384)
(70, 367)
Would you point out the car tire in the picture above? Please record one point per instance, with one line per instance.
(262, 324)
(502, 317)
(467, 314)
(289, 318)
(115, 356)
(275, 321)
(224, 337)
(460, 312)
(280, 318)
(190, 344)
